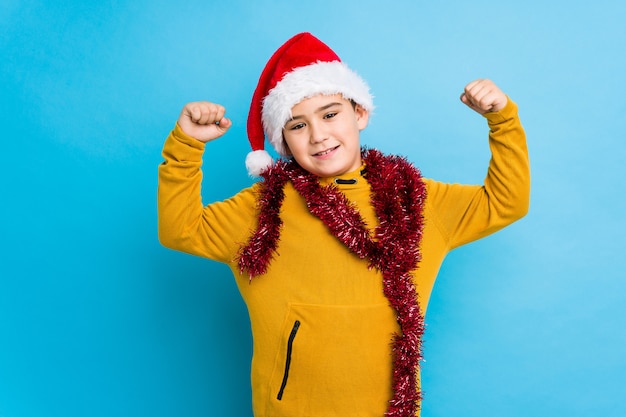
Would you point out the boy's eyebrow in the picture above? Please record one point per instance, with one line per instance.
(321, 109)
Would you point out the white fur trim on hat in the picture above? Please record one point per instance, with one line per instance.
(257, 162)
(304, 82)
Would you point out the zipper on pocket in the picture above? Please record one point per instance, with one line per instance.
(292, 336)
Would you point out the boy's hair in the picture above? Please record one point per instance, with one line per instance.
(302, 67)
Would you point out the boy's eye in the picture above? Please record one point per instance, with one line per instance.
(296, 126)
(330, 115)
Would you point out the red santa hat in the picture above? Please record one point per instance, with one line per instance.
(301, 68)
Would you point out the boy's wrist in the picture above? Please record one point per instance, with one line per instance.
(183, 137)
(508, 112)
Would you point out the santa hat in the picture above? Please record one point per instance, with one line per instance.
(301, 68)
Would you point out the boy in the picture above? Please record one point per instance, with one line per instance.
(336, 251)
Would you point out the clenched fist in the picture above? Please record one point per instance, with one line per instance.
(204, 121)
(483, 96)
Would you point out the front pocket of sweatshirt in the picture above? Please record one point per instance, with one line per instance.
(333, 360)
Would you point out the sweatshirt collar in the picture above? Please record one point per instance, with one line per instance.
(347, 180)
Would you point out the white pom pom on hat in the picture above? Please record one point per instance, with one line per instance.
(301, 68)
(257, 161)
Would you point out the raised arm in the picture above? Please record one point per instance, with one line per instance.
(184, 223)
(468, 212)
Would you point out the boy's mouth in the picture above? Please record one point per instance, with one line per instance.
(326, 152)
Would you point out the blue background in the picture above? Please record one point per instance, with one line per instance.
(97, 319)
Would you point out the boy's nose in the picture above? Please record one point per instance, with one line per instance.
(318, 134)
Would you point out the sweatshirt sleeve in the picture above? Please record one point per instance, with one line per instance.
(464, 213)
(215, 231)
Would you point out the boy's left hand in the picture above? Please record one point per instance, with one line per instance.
(483, 96)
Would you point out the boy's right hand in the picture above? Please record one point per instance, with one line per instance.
(204, 121)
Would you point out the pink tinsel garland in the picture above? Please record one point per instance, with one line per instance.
(398, 195)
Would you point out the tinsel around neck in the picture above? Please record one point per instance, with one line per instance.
(397, 196)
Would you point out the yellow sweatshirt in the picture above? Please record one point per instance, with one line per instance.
(322, 327)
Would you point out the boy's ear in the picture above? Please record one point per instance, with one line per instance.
(362, 116)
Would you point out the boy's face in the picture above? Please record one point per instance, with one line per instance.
(323, 135)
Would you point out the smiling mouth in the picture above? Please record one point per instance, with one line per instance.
(326, 152)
